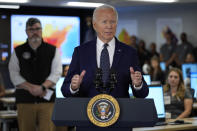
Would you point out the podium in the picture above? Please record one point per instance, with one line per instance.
(133, 113)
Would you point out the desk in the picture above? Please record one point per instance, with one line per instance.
(172, 127)
(7, 116)
(8, 102)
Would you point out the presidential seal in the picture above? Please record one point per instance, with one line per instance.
(103, 110)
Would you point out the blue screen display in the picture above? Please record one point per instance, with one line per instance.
(187, 69)
(156, 93)
(194, 82)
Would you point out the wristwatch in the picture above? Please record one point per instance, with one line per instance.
(43, 88)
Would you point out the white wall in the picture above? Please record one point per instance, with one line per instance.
(147, 16)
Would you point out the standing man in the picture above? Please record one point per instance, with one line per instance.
(35, 67)
(167, 51)
(104, 52)
(183, 49)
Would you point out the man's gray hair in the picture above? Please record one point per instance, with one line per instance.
(105, 6)
(32, 21)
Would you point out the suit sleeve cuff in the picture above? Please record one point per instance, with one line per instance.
(139, 87)
(73, 92)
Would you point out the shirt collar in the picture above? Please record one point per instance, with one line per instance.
(101, 43)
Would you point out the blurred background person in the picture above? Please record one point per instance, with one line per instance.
(153, 50)
(65, 70)
(190, 58)
(89, 31)
(178, 99)
(183, 49)
(143, 54)
(167, 51)
(155, 71)
(168, 31)
(134, 42)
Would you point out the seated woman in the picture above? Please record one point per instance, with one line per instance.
(178, 99)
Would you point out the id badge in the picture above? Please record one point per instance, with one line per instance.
(167, 100)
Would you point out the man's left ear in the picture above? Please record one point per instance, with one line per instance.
(93, 24)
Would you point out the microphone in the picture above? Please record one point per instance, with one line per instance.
(113, 79)
(98, 79)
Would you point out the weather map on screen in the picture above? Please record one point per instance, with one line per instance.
(60, 31)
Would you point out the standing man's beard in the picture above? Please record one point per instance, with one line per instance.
(35, 39)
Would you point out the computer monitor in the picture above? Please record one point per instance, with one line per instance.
(58, 88)
(163, 66)
(147, 78)
(187, 69)
(156, 93)
(193, 78)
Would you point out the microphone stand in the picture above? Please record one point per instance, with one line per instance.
(113, 80)
(98, 79)
(105, 88)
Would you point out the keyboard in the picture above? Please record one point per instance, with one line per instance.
(161, 123)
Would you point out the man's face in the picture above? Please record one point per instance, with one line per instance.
(105, 24)
(34, 33)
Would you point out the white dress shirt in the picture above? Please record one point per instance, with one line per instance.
(111, 50)
(14, 69)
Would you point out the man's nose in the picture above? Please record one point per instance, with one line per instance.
(109, 25)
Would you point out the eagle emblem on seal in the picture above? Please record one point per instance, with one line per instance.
(103, 110)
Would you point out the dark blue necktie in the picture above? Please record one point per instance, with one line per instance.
(105, 64)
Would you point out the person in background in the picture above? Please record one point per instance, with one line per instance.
(183, 49)
(178, 99)
(168, 31)
(167, 51)
(134, 42)
(2, 88)
(143, 54)
(34, 68)
(153, 50)
(155, 71)
(89, 31)
(190, 58)
(65, 70)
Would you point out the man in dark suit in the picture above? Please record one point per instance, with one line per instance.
(87, 58)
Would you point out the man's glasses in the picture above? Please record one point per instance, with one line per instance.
(34, 29)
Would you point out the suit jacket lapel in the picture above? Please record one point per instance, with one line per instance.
(92, 56)
(117, 54)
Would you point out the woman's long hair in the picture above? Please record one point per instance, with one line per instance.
(156, 58)
(181, 88)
